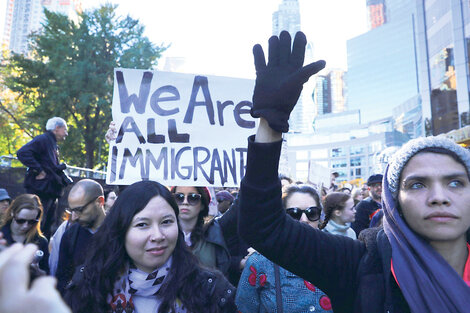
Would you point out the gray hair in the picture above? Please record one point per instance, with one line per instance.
(54, 122)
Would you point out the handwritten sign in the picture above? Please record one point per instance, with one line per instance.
(179, 129)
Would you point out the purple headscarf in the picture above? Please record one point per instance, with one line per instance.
(427, 281)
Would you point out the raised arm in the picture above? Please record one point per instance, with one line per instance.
(328, 261)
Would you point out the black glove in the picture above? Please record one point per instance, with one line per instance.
(278, 84)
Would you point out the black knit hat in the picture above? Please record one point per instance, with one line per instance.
(374, 179)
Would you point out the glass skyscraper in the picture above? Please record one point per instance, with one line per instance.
(382, 71)
(443, 31)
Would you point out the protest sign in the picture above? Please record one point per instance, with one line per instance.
(318, 174)
(179, 129)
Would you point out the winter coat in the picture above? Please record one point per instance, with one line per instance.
(256, 290)
(355, 275)
(41, 154)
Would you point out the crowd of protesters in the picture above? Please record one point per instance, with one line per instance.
(396, 244)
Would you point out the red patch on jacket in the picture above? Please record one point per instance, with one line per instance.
(252, 277)
(262, 280)
(309, 286)
(325, 303)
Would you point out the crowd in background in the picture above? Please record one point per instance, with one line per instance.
(397, 244)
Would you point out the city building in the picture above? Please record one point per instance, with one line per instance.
(329, 92)
(287, 17)
(342, 144)
(321, 95)
(408, 117)
(23, 17)
(443, 52)
(382, 63)
(376, 15)
(337, 93)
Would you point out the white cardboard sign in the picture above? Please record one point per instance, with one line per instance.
(179, 129)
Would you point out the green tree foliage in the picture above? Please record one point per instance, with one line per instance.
(70, 74)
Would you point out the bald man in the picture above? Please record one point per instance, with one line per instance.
(86, 206)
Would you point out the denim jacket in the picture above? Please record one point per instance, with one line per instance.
(257, 290)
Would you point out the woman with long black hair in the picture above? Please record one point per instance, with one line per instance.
(139, 262)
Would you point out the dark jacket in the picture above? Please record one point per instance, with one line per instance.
(41, 154)
(40, 241)
(236, 246)
(212, 286)
(72, 252)
(355, 275)
(364, 212)
(214, 238)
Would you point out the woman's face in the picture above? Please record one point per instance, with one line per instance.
(434, 197)
(348, 214)
(24, 220)
(152, 235)
(189, 209)
(302, 201)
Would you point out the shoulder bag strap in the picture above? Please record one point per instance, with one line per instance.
(278, 289)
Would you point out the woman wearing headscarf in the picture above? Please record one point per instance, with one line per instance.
(418, 262)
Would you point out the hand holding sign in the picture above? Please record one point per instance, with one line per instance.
(279, 83)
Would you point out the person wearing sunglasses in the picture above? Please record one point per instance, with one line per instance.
(206, 240)
(339, 214)
(262, 279)
(21, 224)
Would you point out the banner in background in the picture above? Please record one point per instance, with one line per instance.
(179, 129)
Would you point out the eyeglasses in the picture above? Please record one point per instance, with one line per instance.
(80, 209)
(21, 221)
(313, 213)
(193, 198)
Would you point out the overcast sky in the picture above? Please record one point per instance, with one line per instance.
(216, 36)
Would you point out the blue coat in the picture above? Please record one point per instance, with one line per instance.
(257, 290)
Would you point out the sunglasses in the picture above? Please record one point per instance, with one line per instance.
(193, 198)
(80, 209)
(21, 221)
(313, 213)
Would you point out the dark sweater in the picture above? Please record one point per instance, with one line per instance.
(355, 275)
(72, 252)
(364, 211)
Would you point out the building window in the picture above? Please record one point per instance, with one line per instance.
(339, 163)
(338, 152)
(357, 161)
(355, 150)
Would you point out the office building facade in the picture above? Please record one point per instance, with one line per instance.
(382, 64)
(23, 17)
(342, 144)
(443, 31)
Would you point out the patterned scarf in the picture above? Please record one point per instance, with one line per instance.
(139, 283)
